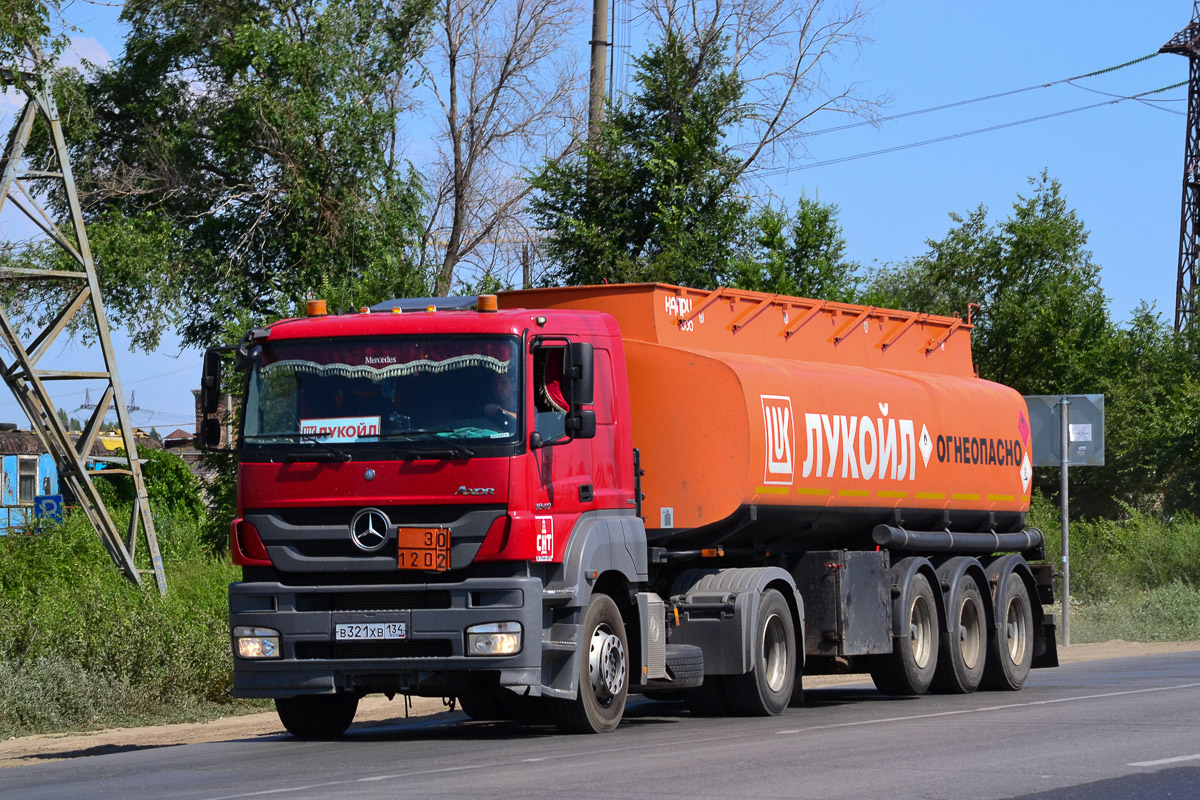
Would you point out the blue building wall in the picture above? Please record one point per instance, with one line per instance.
(14, 514)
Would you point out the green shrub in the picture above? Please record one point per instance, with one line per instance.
(95, 648)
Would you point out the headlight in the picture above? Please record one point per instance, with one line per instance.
(494, 639)
(256, 642)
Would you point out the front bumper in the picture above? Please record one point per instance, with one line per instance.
(429, 661)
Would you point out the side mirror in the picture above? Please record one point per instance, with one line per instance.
(210, 382)
(581, 424)
(579, 371)
(210, 434)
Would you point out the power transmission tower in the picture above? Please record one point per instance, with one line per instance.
(1187, 43)
(81, 294)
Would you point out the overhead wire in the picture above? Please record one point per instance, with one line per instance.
(963, 134)
(996, 96)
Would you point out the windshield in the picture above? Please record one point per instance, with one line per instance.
(413, 392)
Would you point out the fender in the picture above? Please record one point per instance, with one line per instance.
(951, 573)
(902, 574)
(603, 545)
(720, 609)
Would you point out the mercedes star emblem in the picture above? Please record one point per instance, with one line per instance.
(369, 529)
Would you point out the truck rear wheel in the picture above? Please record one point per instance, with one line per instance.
(317, 716)
(766, 689)
(1010, 646)
(964, 650)
(910, 667)
(603, 673)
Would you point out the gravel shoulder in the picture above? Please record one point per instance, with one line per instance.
(376, 710)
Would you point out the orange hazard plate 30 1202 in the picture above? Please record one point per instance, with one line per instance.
(424, 548)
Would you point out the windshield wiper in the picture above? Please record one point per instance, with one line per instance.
(452, 447)
(340, 455)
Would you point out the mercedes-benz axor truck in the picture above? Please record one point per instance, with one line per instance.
(541, 502)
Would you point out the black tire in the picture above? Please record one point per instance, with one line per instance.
(766, 689)
(964, 650)
(1010, 643)
(685, 664)
(603, 673)
(910, 667)
(317, 716)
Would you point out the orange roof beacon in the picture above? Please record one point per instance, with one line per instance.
(575, 494)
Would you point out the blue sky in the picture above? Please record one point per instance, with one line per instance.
(1120, 165)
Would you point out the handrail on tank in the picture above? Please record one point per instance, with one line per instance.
(751, 313)
(891, 338)
(844, 332)
(712, 297)
(791, 330)
(934, 345)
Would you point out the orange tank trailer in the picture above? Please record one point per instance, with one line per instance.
(755, 411)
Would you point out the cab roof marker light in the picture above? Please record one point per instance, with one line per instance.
(487, 304)
(316, 308)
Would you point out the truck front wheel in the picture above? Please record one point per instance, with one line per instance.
(603, 673)
(317, 716)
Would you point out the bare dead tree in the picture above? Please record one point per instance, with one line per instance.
(780, 49)
(506, 97)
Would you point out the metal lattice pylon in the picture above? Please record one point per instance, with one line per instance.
(1187, 43)
(23, 377)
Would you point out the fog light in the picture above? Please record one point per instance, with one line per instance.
(494, 639)
(256, 642)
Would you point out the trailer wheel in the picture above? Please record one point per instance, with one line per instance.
(317, 716)
(964, 650)
(1010, 650)
(603, 687)
(766, 689)
(910, 667)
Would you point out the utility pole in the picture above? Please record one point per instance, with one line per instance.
(599, 59)
(81, 294)
(1187, 43)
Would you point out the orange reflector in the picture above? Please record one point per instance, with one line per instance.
(712, 552)
(316, 308)
(364, 310)
(487, 302)
(677, 616)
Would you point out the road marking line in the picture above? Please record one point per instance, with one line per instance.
(1163, 761)
(986, 708)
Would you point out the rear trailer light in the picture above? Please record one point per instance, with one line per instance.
(494, 639)
(256, 642)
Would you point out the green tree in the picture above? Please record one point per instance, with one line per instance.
(653, 199)
(801, 257)
(1041, 310)
(1150, 379)
(239, 157)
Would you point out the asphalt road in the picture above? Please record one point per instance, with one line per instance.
(1120, 728)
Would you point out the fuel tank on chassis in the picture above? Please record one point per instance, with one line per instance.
(764, 419)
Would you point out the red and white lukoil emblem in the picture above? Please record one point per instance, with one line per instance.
(779, 426)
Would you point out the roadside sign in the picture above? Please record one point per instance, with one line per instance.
(1085, 429)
